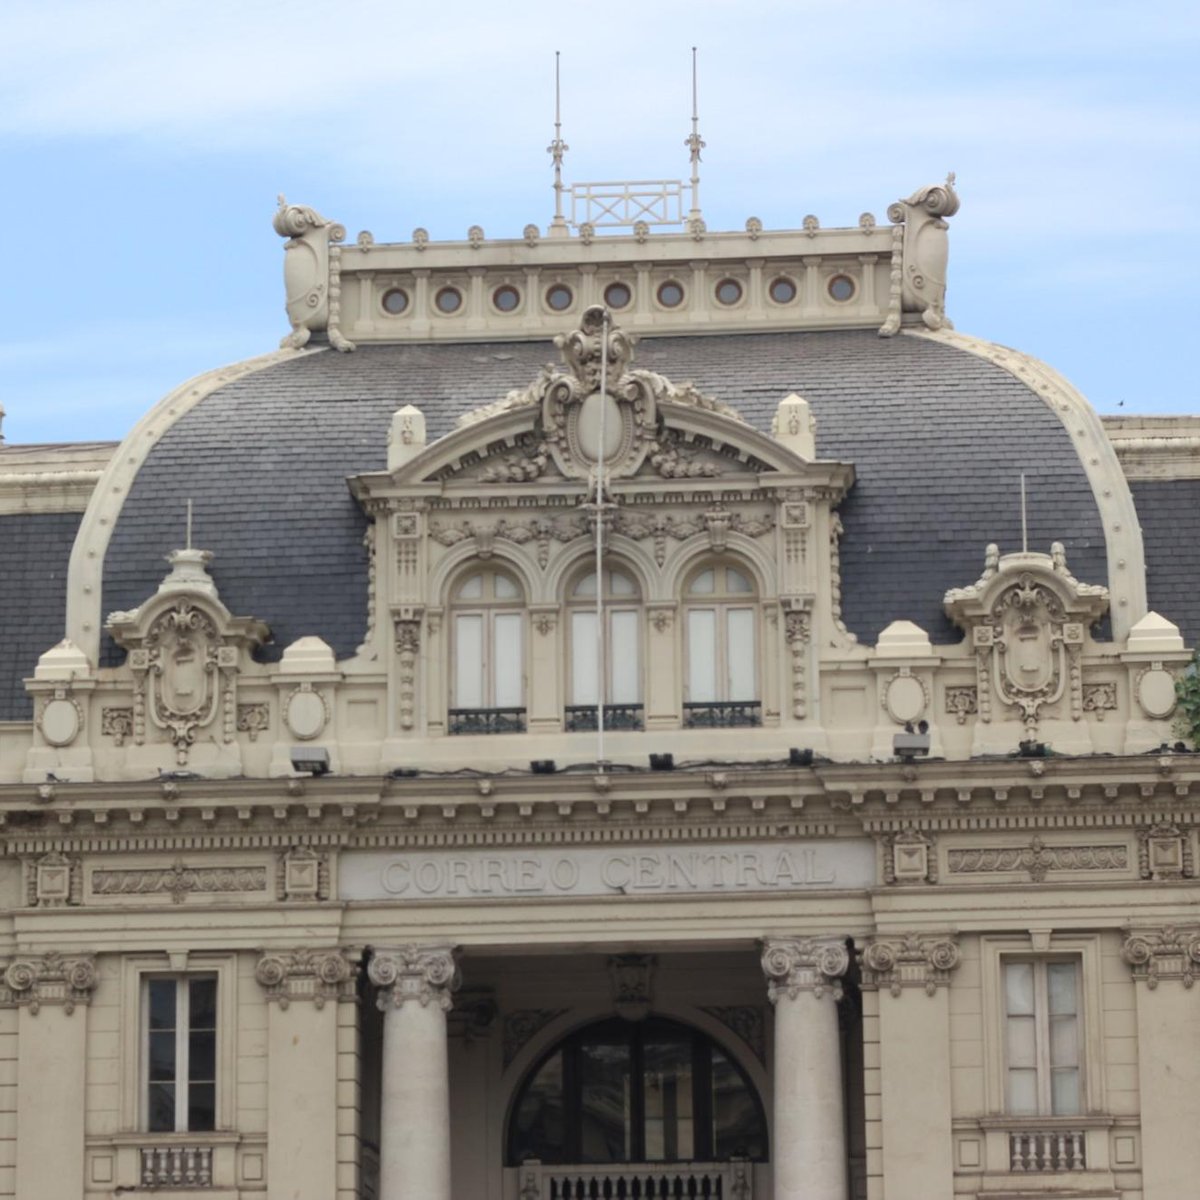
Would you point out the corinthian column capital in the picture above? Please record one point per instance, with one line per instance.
(422, 973)
(795, 965)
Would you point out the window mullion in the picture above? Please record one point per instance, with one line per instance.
(182, 1026)
(1041, 1009)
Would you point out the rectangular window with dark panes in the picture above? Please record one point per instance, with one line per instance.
(1042, 1042)
(179, 1021)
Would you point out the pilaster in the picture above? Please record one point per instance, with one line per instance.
(302, 1066)
(51, 1070)
(910, 973)
(1164, 963)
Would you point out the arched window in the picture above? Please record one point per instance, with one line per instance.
(488, 659)
(722, 651)
(622, 653)
(636, 1092)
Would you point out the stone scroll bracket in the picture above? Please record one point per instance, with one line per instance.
(793, 965)
(62, 980)
(1169, 953)
(318, 976)
(909, 960)
(423, 974)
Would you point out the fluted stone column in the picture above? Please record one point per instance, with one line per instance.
(415, 986)
(804, 982)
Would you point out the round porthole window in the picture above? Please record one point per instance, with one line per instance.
(395, 301)
(670, 294)
(728, 292)
(448, 300)
(841, 288)
(782, 290)
(559, 297)
(618, 295)
(506, 298)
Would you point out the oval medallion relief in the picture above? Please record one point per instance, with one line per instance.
(1156, 692)
(60, 722)
(597, 408)
(905, 698)
(305, 714)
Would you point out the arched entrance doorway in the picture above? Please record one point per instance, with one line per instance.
(617, 1092)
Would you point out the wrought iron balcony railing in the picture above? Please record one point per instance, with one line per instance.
(582, 717)
(487, 720)
(722, 714)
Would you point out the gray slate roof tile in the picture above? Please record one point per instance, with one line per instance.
(939, 438)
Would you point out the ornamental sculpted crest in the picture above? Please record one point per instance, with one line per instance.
(600, 408)
(1027, 618)
(183, 655)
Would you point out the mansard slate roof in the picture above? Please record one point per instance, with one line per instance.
(35, 549)
(1169, 512)
(938, 438)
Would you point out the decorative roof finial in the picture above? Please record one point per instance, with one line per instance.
(556, 150)
(695, 143)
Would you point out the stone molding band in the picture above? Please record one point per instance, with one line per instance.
(794, 965)
(909, 960)
(427, 974)
(1172, 952)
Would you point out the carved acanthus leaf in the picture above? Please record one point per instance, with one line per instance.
(909, 960)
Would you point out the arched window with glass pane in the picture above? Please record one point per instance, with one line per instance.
(487, 621)
(621, 669)
(720, 620)
(650, 1091)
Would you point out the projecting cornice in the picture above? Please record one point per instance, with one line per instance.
(737, 801)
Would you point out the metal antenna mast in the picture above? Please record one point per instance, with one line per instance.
(601, 673)
(695, 143)
(556, 150)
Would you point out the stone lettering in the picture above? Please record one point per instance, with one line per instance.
(597, 871)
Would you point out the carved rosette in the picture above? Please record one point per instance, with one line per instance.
(426, 974)
(909, 961)
(1167, 953)
(316, 975)
(795, 965)
(1027, 618)
(56, 979)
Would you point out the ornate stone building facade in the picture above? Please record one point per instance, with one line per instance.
(736, 759)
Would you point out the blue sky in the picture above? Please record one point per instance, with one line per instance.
(143, 147)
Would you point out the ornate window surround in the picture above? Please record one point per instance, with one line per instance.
(1042, 946)
(134, 970)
